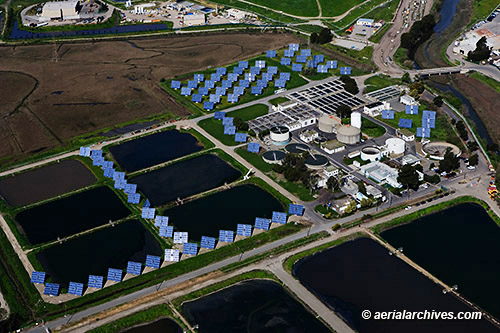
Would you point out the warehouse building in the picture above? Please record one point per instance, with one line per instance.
(194, 19)
(61, 10)
(381, 173)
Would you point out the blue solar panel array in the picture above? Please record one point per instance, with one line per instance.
(262, 223)
(405, 123)
(171, 255)
(229, 130)
(180, 237)
(109, 173)
(426, 114)
(196, 98)
(289, 53)
(199, 77)
(423, 132)
(271, 54)
(293, 47)
(240, 137)
(294, 209)
(134, 198)
(75, 288)
(244, 230)
(203, 91)
(119, 176)
(318, 58)
(238, 70)
(153, 261)
(280, 83)
(221, 91)
(226, 236)
(305, 52)
(210, 84)
(322, 69)
(227, 121)
(85, 151)
(120, 184)
(285, 76)
(243, 64)
(207, 242)
(232, 98)
(428, 122)
(279, 217)
(260, 64)
(190, 248)
(256, 91)
(387, 114)
(214, 98)
(175, 84)
(244, 83)
(37, 277)
(96, 153)
(255, 70)
(411, 109)
(96, 281)
(161, 221)
(115, 274)
(192, 84)
(219, 115)
(185, 91)
(345, 70)
(286, 61)
(297, 67)
(148, 213)
(130, 188)
(166, 231)
(51, 289)
(253, 147)
(301, 59)
(331, 64)
(98, 161)
(134, 268)
(208, 106)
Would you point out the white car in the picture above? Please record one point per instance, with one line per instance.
(408, 208)
(470, 167)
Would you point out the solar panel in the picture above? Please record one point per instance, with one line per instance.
(130, 188)
(262, 223)
(210, 84)
(331, 64)
(98, 161)
(75, 288)
(260, 64)
(285, 76)
(227, 121)
(199, 77)
(387, 114)
(262, 83)
(220, 91)
(423, 132)
(271, 54)
(297, 67)
(171, 255)
(134, 198)
(175, 84)
(95, 281)
(239, 91)
(208, 106)
(153, 261)
(244, 83)
(37, 277)
(85, 151)
(229, 130)
(147, 204)
(253, 147)
(232, 77)
(429, 114)
(202, 91)
(185, 91)
(428, 122)
(256, 91)
(286, 61)
(207, 242)
(226, 84)
(119, 184)
(196, 98)
(190, 248)
(214, 77)
(318, 58)
(161, 221)
(240, 137)
(244, 230)
(107, 165)
(301, 59)
(115, 274)
(238, 70)
(289, 53)
(109, 173)
(221, 70)
(134, 268)
(294, 209)
(405, 123)
(250, 77)
(305, 52)
(280, 83)
(214, 98)
(322, 69)
(226, 236)
(411, 109)
(119, 176)
(192, 84)
(51, 289)
(148, 213)
(310, 64)
(232, 98)
(166, 231)
(180, 237)
(219, 115)
(255, 70)
(96, 153)
(293, 47)
(243, 64)
(279, 217)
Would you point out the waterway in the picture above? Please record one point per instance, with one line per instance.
(223, 211)
(251, 306)
(165, 325)
(459, 245)
(94, 253)
(361, 275)
(183, 179)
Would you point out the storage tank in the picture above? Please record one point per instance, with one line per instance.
(370, 153)
(356, 119)
(395, 146)
(280, 135)
(273, 156)
(327, 123)
(348, 134)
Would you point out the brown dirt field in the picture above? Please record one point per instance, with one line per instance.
(13, 88)
(89, 86)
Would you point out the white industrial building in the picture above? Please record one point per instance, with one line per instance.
(407, 100)
(375, 109)
(405, 134)
(64, 10)
(381, 173)
(410, 159)
(283, 106)
(308, 136)
(238, 15)
(373, 191)
(365, 22)
(332, 146)
(329, 171)
(194, 19)
(356, 119)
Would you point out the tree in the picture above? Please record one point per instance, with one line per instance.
(362, 187)
(432, 166)
(472, 145)
(350, 84)
(408, 177)
(351, 207)
(418, 34)
(365, 203)
(406, 78)
(438, 101)
(482, 51)
(473, 160)
(333, 184)
(449, 162)
(344, 111)
(434, 179)
(418, 86)
(314, 38)
(325, 36)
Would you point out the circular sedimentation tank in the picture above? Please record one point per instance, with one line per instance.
(273, 156)
(297, 148)
(280, 135)
(316, 161)
(436, 150)
(395, 146)
(370, 153)
(348, 134)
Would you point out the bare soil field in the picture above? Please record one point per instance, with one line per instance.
(14, 87)
(85, 87)
(45, 182)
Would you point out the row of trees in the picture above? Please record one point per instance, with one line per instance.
(324, 36)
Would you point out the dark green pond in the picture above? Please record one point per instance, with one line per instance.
(185, 178)
(251, 306)
(94, 253)
(165, 325)
(71, 215)
(223, 211)
(459, 245)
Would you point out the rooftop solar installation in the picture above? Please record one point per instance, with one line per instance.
(134, 198)
(244, 83)
(279, 217)
(190, 248)
(175, 84)
(243, 64)
(262, 223)
(185, 91)
(115, 274)
(147, 204)
(297, 67)
(271, 54)
(75, 289)
(148, 213)
(171, 255)
(289, 53)
(134, 268)
(301, 59)
(221, 70)
(130, 188)
(208, 106)
(37, 277)
(423, 132)
(95, 281)
(405, 123)
(192, 84)
(411, 109)
(196, 98)
(286, 61)
(199, 77)
(253, 147)
(256, 91)
(51, 289)
(387, 114)
(255, 70)
(85, 151)
(229, 130)
(226, 236)
(285, 76)
(210, 84)
(244, 230)
(293, 47)
(318, 58)
(232, 98)
(220, 91)
(331, 64)
(161, 221)
(240, 137)
(153, 261)
(238, 70)
(294, 209)
(260, 63)
(305, 52)
(166, 231)
(207, 242)
(180, 237)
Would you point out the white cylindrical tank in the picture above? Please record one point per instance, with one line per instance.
(395, 145)
(327, 124)
(370, 153)
(348, 134)
(356, 119)
(280, 135)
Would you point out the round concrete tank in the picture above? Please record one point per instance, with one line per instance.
(356, 119)
(280, 135)
(370, 153)
(273, 156)
(348, 134)
(395, 146)
(327, 123)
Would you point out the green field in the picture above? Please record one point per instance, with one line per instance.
(494, 84)
(379, 81)
(364, 56)
(377, 36)
(267, 14)
(332, 8)
(482, 9)
(255, 159)
(278, 100)
(294, 7)
(363, 10)
(215, 128)
(371, 128)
